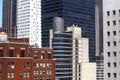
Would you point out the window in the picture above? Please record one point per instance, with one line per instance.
(42, 64)
(109, 75)
(49, 56)
(48, 72)
(115, 75)
(35, 72)
(35, 55)
(114, 33)
(26, 65)
(108, 33)
(42, 71)
(114, 12)
(119, 11)
(20, 74)
(26, 74)
(1, 75)
(108, 13)
(115, 54)
(1, 65)
(11, 53)
(49, 65)
(11, 65)
(108, 64)
(1, 53)
(42, 56)
(108, 43)
(22, 53)
(115, 64)
(108, 54)
(114, 42)
(36, 65)
(114, 22)
(10, 75)
(108, 23)
(119, 22)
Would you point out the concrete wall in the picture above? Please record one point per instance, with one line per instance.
(88, 71)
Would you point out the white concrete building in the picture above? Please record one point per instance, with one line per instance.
(111, 27)
(29, 21)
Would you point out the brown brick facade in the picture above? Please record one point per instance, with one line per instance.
(19, 62)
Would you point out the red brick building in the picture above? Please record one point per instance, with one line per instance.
(19, 62)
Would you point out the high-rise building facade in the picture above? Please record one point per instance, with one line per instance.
(111, 27)
(29, 21)
(79, 12)
(71, 52)
(9, 17)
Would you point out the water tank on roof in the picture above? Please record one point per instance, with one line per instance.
(3, 36)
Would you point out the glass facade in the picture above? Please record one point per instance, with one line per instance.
(9, 13)
(78, 12)
(9, 17)
(62, 47)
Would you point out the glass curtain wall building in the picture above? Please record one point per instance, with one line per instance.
(62, 46)
(78, 12)
(9, 17)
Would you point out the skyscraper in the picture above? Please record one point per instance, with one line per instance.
(29, 21)
(9, 17)
(79, 12)
(111, 38)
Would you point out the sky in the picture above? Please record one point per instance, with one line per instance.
(0, 13)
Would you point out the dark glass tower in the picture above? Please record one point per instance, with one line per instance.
(9, 17)
(78, 12)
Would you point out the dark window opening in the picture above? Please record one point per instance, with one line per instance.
(108, 64)
(115, 64)
(114, 12)
(108, 54)
(108, 43)
(11, 53)
(114, 42)
(108, 33)
(49, 56)
(22, 53)
(115, 75)
(114, 22)
(109, 75)
(1, 53)
(26, 65)
(108, 23)
(114, 33)
(115, 54)
(108, 13)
